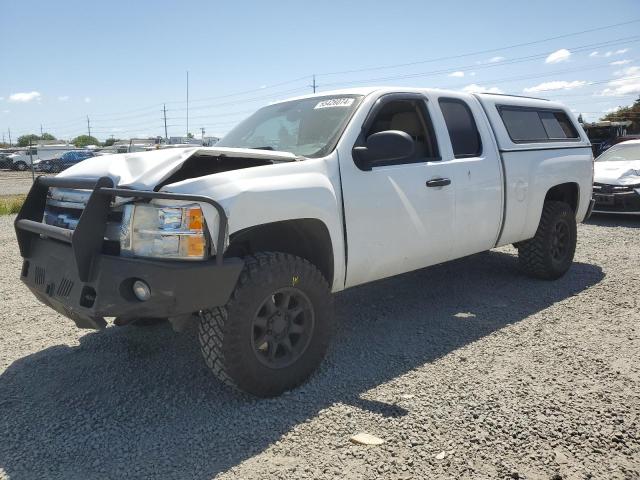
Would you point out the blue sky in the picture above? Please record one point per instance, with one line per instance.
(118, 62)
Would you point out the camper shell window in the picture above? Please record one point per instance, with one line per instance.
(533, 125)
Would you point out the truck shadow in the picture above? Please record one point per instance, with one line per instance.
(140, 402)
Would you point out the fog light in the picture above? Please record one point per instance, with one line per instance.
(141, 290)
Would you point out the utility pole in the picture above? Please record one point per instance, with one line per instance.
(202, 130)
(88, 125)
(9, 137)
(314, 85)
(33, 174)
(164, 111)
(41, 130)
(187, 103)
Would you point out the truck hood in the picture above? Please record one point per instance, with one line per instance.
(146, 170)
(617, 172)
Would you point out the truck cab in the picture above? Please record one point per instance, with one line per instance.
(306, 197)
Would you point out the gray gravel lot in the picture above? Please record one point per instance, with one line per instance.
(508, 376)
(14, 183)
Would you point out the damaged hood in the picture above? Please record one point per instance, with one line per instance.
(617, 172)
(145, 170)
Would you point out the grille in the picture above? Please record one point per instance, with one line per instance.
(64, 289)
(606, 188)
(65, 206)
(39, 276)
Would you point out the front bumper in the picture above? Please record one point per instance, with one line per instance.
(608, 200)
(177, 287)
(70, 271)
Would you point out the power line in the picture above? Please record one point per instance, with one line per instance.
(115, 117)
(480, 52)
(527, 58)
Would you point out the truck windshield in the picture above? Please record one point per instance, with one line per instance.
(309, 127)
(621, 153)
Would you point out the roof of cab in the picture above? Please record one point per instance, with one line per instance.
(497, 98)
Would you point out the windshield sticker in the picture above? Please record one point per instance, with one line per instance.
(335, 102)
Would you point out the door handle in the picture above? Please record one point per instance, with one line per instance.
(438, 182)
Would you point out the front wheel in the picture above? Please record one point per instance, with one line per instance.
(274, 331)
(549, 254)
(20, 166)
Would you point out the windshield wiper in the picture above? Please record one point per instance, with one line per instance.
(266, 147)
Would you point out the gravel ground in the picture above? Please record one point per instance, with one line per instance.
(466, 370)
(14, 183)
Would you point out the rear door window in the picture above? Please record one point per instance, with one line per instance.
(463, 132)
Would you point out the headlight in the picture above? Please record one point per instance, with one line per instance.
(163, 231)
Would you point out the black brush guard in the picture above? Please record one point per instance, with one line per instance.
(67, 269)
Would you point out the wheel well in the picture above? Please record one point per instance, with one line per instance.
(307, 238)
(565, 192)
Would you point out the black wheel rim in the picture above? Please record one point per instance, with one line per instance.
(560, 241)
(282, 328)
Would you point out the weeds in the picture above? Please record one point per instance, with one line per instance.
(11, 204)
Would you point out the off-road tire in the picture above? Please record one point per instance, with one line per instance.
(537, 254)
(226, 333)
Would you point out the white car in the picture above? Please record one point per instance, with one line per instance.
(306, 197)
(616, 177)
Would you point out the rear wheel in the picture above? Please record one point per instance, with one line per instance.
(274, 331)
(20, 166)
(549, 254)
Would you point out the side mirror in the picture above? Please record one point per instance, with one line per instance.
(387, 146)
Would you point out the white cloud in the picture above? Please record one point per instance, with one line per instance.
(472, 74)
(627, 84)
(620, 62)
(474, 88)
(6, 111)
(1, 99)
(610, 53)
(63, 98)
(24, 97)
(457, 74)
(496, 59)
(558, 56)
(87, 99)
(555, 85)
(612, 110)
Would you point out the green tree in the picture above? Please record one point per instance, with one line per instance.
(110, 141)
(630, 113)
(189, 135)
(84, 140)
(24, 140)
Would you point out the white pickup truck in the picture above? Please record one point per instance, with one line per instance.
(305, 197)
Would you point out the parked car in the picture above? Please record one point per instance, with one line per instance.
(616, 187)
(5, 161)
(63, 162)
(21, 160)
(250, 237)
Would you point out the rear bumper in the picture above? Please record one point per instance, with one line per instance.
(177, 287)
